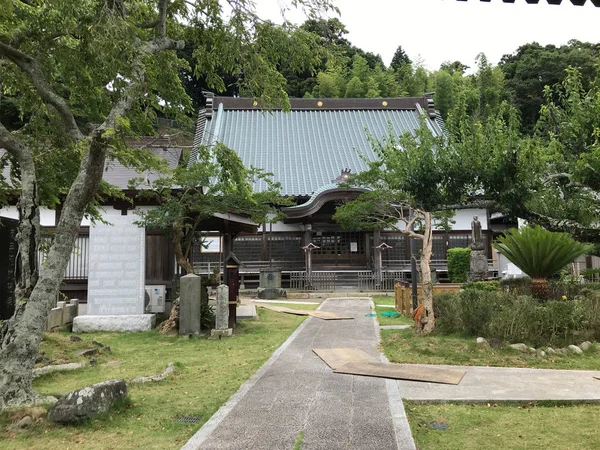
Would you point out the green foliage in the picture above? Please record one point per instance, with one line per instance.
(539, 252)
(399, 59)
(489, 286)
(532, 67)
(217, 183)
(355, 88)
(459, 263)
(518, 318)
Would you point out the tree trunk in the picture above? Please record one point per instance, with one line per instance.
(426, 322)
(172, 323)
(21, 342)
(540, 289)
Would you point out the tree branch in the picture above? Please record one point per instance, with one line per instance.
(125, 103)
(11, 143)
(29, 65)
(161, 26)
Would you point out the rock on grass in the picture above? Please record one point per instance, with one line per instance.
(87, 403)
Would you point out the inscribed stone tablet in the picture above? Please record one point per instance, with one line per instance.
(117, 269)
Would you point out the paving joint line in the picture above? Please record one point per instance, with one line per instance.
(211, 424)
(404, 437)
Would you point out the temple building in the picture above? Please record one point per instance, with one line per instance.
(310, 150)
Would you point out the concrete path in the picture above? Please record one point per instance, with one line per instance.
(295, 391)
(505, 384)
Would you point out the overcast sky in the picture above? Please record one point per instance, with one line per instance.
(449, 30)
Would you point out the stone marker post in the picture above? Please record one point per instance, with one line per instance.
(189, 304)
(222, 313)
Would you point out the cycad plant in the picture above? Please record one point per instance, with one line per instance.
(539, 253)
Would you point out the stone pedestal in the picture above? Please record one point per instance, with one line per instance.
(222, 328)
(91, 324)
(189, 305)
(270, 284)
(479, 266)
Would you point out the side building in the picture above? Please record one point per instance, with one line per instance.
(310, 150)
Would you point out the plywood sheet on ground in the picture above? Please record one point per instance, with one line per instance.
(401, 372)
(325, 315)
(283, 309)
(301, 312)
(338, 357)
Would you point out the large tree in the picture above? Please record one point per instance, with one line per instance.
(533, 66)
(84, 75)
(404, 186)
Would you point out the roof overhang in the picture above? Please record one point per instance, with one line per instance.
(316, 202)
(228, 223)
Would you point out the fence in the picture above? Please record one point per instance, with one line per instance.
(403, 294)
(77, 269)
(62, 315)
(317, 281)
(368, 280)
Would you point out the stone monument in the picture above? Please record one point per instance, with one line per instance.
(222, 314)
(270, 284)
(116, 278)
(190, 304)
(479, 264)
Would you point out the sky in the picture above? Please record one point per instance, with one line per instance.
(449, 30)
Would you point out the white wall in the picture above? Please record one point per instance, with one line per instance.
(47, 216)
(464, 217)
(282, 227)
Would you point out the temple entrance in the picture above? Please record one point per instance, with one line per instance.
(339, 249)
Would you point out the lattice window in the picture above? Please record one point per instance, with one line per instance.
(398, 250)
(439, 247)
(248, 248)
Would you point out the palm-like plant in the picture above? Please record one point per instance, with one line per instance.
(539, 253)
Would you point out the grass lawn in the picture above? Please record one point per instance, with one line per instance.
(207, 373)
(385, 300)
(547, 425)
(402, 346)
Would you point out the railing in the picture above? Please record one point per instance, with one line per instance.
(317, 281)
(77, 269)
(369, 281)
(438, 264)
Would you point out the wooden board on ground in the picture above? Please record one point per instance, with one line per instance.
(338, 357)
(325, 315)
(283, 309)
(403, 372)
(302, 312)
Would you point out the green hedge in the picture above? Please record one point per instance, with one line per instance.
(519, 318)
(459, 263)
(490, 286)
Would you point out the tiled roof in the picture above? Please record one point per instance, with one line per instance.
(119, 175)
(307, 148)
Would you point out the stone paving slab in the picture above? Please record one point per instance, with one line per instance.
(508, 384)
(295, 391)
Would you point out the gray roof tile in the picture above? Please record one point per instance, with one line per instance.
(306, 149)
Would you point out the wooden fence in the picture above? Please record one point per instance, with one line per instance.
(403, 295)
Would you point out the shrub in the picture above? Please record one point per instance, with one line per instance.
(489, 286)
(459, 263)
(519, 318)
(539, 253)
(446, 309)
